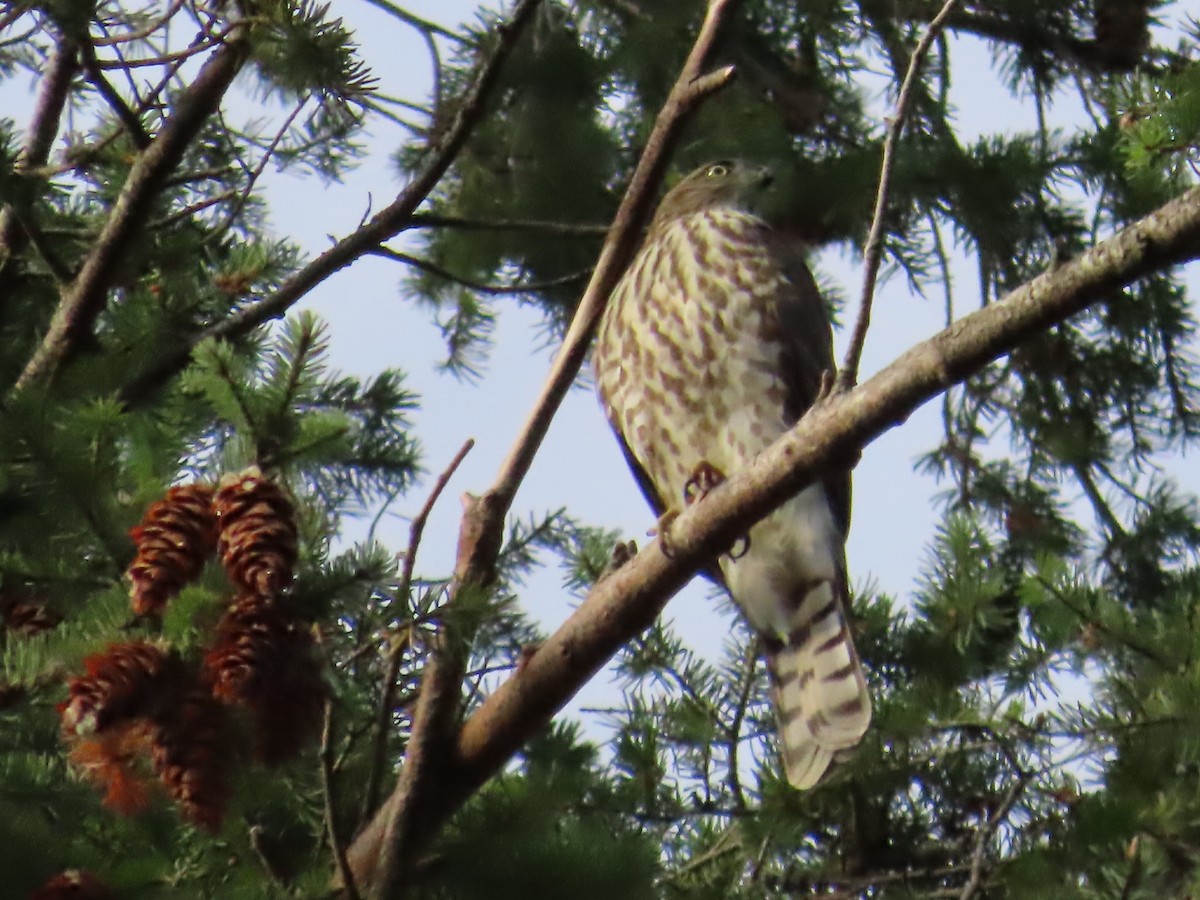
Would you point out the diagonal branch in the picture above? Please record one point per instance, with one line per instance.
(83, 300)
(873, 251)
(416, 808)
(628, 601)
(386, 224)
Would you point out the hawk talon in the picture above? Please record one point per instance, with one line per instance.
(704, 478)
(662, 528)
(740, 548)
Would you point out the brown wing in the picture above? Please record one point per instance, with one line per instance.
(808, 352)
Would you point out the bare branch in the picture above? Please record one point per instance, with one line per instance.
(335, 840)
(416, 809)
(145, 31)
(386, 224)
(84, 299)
(628, 601)
(423, 25)
(987, 828)
(129, 119)
(478, 286)
(396, 654)
(434, 220)
(873, 251)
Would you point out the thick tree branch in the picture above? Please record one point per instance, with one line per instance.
(386, 224)
(415, 810)
(627, 601)
(84, 298)
(873, 251)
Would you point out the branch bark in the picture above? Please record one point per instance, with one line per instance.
(84, 299)
(627, 601)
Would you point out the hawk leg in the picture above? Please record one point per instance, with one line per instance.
(704, 478)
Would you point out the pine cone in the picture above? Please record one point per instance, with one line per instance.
(257, 542)
(190, 753)
(124, 681)
(173, 542)
(110, 760)
(29, 619)
(73, 884)
(262, 659)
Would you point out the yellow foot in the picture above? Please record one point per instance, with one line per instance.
(704, 478)
(662, 528)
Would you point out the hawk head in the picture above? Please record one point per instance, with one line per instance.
(728, 183)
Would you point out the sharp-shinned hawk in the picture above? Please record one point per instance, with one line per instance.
(713, 344)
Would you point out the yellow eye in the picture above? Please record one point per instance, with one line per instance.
(717, 170)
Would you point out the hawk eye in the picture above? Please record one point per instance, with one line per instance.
(717, 170)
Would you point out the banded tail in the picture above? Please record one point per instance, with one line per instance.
(821, 695)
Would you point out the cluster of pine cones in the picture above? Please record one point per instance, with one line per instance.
(142, 709)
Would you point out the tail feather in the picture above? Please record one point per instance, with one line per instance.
(821, 695)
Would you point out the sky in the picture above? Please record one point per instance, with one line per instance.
(373, 325)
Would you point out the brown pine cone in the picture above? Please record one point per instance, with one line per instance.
(73, 884)
(174, 540)
(29, 619)
(257, 541)
(125, 680)
(190, 752)
(263, 660)
(116, 761)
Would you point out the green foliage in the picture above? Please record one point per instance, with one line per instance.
(1037, 697)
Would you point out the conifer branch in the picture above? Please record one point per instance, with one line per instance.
(383, 226)
(335, 840)
(84, 299)
(873, 251)
(628, 601)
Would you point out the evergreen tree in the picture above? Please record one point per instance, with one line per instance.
(207, 690)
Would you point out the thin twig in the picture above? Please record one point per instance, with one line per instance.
(396, 651)
(873, 251)
(481, 287)
(335, 841)
(984, 834)
(257, 171)
(420, 24)
(128, 118)
(84, 300)
(434, 220)
(145, 31)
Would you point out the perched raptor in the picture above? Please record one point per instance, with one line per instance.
(713, 344)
